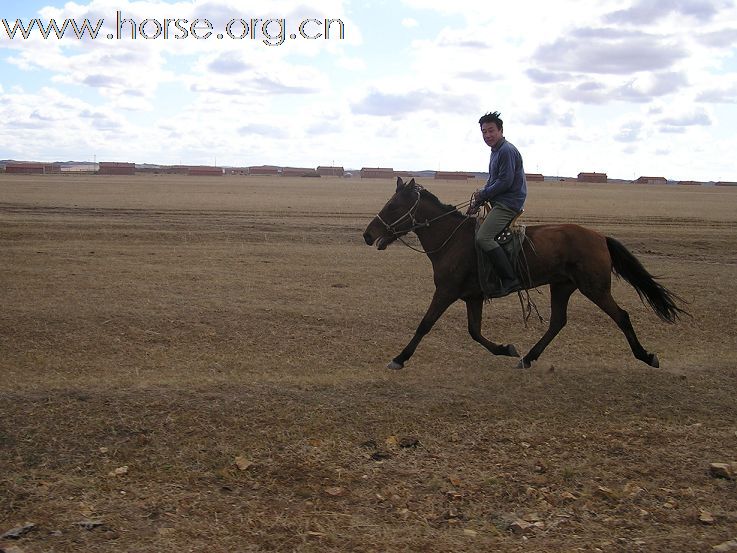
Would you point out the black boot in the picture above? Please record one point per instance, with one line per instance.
(503, 268)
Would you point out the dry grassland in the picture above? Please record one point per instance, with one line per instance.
(225, 340)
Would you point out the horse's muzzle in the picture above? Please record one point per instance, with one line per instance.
(375, 235)
(381, 241)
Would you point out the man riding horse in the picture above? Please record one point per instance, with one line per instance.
(506, 190)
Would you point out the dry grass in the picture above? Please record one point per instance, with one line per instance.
(171, 325)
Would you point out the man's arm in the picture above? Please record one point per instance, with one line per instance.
(503, 180)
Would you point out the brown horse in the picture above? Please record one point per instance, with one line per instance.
(565, 256)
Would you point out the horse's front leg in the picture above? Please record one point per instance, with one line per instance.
(440, 302)
(474, 310)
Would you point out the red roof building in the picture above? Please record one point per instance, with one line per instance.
(203, 171)
(25, 168)
(453, 175)
(263, 170)
(236, 171)
(328, 171)
(377, 173)
(651, 180)
(176, 170)
(592, 177)
(299, 172)
(116, 168)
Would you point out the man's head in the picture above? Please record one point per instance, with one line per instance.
(492, 128)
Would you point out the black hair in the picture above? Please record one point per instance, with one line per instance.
(492, 118)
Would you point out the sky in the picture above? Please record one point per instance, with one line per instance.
(624, 87)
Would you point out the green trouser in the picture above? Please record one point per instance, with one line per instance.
(498, 218)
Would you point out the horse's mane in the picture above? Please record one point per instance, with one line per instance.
(426, 194)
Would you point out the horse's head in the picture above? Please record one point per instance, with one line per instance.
(396, 218)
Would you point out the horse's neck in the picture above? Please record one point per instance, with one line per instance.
(441, 232)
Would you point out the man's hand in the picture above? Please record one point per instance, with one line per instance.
(473, 207)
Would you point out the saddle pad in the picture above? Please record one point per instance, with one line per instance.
(511, 240)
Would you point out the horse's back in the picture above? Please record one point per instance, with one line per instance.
(561, 234)
(554, 250)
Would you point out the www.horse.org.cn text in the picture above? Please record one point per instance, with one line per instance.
(272, 31)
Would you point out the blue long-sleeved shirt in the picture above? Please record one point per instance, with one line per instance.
(507, 184)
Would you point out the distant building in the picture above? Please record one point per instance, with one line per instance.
(237, 171)
(592, 177)
(25, 168)
(534, 177)
(263, 170)
(175, 170)
(725, 183)
(116, 168)
(299, 172)
(149, 169)
(453, 175)
(651, 180)
(689, 183)
(204, 171)
(377, 173)
(80, 168)
(328, 171)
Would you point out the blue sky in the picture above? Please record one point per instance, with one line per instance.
(626, 87)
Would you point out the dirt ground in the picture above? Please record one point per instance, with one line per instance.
(193, 364)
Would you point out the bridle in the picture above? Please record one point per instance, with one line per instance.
(410, 213)
(415, 224)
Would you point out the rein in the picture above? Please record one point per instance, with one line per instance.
(416, 225)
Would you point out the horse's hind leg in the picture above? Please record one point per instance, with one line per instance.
(560, 293)
(474, 310)
(607, 304)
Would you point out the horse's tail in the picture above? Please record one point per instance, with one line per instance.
(625, 264)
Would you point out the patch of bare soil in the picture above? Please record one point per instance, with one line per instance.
(200, 367)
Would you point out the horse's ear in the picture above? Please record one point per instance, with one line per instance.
(400, 184)
(412, 182)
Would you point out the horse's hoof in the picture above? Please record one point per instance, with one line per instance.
(512, 351)
(393, 365)
(654, 362)
(523, 364)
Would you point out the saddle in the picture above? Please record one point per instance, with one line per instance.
(511, 239)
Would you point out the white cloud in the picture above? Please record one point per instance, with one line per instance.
(726, 95)
(409, 22)
(32, 119)
(647, 11)
(722, 38)
(230, 63)
(270, 131)
(546, 114)
(609, 51)
(351, 63)
(629, 132)
(675, 123)
(401, 104)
